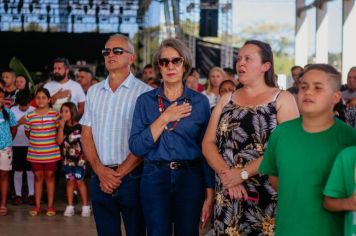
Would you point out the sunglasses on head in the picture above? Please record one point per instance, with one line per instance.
(116, 51)
(164, 62)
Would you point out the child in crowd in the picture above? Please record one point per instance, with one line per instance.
(43, 151)
(340, 189)
(7, 131)
(300, 155)
(69, 137)
(227, 86)
(20, 146)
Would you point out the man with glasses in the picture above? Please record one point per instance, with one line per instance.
(62, 89)
(106, 128)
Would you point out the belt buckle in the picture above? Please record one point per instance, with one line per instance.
(173, 165)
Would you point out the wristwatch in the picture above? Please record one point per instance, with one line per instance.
(244, 174)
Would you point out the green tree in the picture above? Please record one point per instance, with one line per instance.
(279, 36)
(141, 48)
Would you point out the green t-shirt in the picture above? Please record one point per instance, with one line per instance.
(341, 183)
(302, 161)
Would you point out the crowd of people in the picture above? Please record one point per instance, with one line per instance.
(170, 155)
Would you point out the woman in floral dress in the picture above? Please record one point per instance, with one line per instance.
(245, 202)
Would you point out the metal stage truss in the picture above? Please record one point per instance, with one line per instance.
(189, 15)
(72, 16)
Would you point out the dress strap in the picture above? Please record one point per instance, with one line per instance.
(228, 98)
(279, 91)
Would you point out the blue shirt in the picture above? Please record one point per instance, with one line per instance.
(109, 114)
(181, 144)
(5, 132)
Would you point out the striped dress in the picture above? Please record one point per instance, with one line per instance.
(43, 146)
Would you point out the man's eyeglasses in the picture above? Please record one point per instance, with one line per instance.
(176, 61)
(116, 51)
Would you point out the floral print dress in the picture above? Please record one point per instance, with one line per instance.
(74, 164)
(350, 113)
(241, 137)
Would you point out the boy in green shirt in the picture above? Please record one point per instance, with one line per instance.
(340, 189)
(300, 155)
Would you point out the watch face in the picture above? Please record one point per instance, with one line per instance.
(244, 175)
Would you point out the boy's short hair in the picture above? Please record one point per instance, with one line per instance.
(333, 74)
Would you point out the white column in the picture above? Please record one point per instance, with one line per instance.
(301, 36)
(348, 37)
(321, 34)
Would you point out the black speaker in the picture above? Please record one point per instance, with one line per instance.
(208, 26)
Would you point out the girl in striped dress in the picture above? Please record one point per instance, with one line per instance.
(43, 152)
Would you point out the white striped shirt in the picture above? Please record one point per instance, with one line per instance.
(109, 114)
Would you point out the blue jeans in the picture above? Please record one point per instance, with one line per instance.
(172, 197)
(125, 201)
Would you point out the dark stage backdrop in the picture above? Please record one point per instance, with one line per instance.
(37, 50)
(208, 55)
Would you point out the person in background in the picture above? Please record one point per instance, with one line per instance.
(300, 155)
(350, 92)
(23, 86)
(230, 74)
(9, 77)
(235, 141)
(22, 83)
(84, 78)
(153, 82)
(196, 73)
(7, 132)
(94, 81)
(62, 88)
(148, 72)
(216, 76)
(296, 72)
(106, 126)
(227, 86)
(192, 83)
(20, 147)
(168, 126)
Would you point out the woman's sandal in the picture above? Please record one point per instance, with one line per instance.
(51, 212)
(3, 211)
(35, 212)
